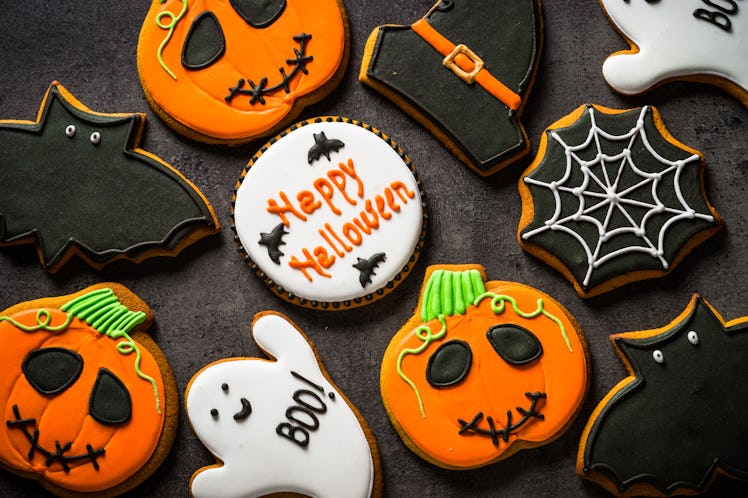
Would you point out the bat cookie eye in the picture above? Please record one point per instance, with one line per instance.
(658, 356)
(693, 337)
(95, 138)
(516, 345)
(70, 131)
(449, 364)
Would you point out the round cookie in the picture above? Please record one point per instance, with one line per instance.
(329, 214)
(230, 71)
(694, 40)
(482, 370)
(88, 400)
(280, 425)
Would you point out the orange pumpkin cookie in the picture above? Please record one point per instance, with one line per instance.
(482, 370)
(229, 71)
(88, 399)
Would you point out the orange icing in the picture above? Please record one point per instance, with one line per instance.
(64, 417)
(492, 386)
(196, 99)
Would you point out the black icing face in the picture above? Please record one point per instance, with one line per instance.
(51, 371)
(244, 407)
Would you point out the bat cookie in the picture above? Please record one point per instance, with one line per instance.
(613, 198)
(88, 400)
(279, 425)
(75, 184)
(230, 71)
(329, 214)
(694, 40)
(463, 71)
(482, 369)
(678, 421)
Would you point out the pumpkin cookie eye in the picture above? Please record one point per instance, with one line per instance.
(449, 364)
(204, 43)
(259, 13)
(52, 370)
(516, 345)
(110, 402)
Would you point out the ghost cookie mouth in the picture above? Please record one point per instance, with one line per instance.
(494, 433)
(245, 412)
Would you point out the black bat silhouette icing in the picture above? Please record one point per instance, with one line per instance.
(681, 417)
(273, 241)
(323, 146)
(74, 183)
(367, 267)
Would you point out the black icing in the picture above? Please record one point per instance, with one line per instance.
(259, 13)
(205, 43)
(105, 200)
(323, 146)
(52, 370)
(516, 345)
(272, 241)
(679, 420)
(506, 36)
(449, 364)
(509, 426)
(245, 412)
(110, 402)
(366, 267)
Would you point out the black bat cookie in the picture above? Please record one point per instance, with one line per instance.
(74, 182)
(681, 417)
(367, 267)
(323, 146)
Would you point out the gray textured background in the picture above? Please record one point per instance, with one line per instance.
(205, 299)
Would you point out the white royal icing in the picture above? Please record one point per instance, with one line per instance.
(378, 173)
(673, 42)
(335, 462)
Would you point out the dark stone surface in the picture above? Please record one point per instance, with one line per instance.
(205, 299)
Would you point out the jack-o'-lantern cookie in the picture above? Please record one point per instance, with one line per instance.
(279, 425)
(693, 40)
(229, 71)
(613, 198)
(87, 398)
(464, 71)
(330, 214)
(482, 370)
(677, 422)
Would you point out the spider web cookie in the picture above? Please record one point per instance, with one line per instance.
(612, 198)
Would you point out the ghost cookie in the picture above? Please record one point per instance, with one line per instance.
(464, 71)
(230, 71)
(88, 400)
(482, 370)
(678, 420)
(329, 214)
(74, 183)
(280, 425)
(694, 40)
(613, 198)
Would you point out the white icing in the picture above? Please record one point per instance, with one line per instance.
(70, 131)
(337, 462)
(673, 43)
(658, 356)
(693, 337)
(606, 194)
(284, 167)
(95, 138)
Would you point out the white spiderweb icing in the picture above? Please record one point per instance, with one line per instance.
(612, 198)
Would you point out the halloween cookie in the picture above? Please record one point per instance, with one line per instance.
(463, 71)
(482, 370)
(229, 71)
(88, 400)
(678, 421)
(695, 40)
(613, 198)
(280, 425)
(329, 214)
(75, 184)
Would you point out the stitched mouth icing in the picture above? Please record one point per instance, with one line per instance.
(59, 454)
(509, 428)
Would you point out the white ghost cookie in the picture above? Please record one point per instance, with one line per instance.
(696, 40)
(279, 425)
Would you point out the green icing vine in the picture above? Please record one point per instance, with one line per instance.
(104, 313)
(450, 293)
(173, 21)
(425, 334)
